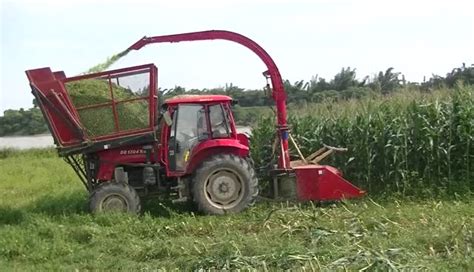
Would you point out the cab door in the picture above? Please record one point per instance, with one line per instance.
(188, 129)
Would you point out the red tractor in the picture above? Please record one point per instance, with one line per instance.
(124, 144)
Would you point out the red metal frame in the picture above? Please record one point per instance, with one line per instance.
(63, 117)
(108, 75)
(56, 106)
(197, 99)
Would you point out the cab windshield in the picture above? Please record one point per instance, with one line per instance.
(192, 125)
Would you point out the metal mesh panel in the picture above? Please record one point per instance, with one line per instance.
(112, 103)
(133, 115)
(97, 121)
(137, 84)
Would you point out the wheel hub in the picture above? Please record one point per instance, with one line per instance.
(223, 189)
(115, 203)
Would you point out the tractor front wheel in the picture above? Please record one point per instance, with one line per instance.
(114, 197)
(224, 184)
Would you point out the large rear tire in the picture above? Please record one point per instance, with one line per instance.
(224, 184)
(114, 197)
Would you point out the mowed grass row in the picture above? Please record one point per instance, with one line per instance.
(44, 225)
(409, 143)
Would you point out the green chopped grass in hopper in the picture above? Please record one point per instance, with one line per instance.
(99, 121)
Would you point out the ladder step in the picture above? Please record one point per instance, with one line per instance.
(181, 186)
(180, 200)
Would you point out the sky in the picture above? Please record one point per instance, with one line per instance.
(305, 38)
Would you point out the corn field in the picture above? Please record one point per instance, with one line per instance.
(408, 144)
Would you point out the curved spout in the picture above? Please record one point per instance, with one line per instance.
(278, 91)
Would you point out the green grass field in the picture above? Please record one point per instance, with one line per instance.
(44, 225)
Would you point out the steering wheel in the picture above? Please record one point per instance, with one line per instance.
(187, 137)
(219, 124)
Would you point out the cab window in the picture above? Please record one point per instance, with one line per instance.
(188, 129)
(219, 122)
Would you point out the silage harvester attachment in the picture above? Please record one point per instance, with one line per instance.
(94, 112)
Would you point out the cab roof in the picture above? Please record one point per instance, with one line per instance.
(195, 98)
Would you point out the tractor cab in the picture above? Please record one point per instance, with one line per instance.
(193, 123)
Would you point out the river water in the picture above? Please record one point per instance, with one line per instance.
(46, 140)
(25, 142)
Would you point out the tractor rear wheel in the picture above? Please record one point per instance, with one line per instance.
(114, 197)
(224, 184)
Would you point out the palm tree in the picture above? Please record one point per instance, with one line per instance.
(344, 79)
(386, 82)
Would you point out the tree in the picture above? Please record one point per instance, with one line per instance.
(22, 122)
(317, 84)
(296, 92)
(386, 82)
(345, 79)
(463, 73)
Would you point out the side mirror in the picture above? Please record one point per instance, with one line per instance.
(167, 118)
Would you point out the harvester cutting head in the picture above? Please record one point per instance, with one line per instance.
(308, 180)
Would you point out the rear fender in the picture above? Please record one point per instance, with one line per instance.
(243, 139)
(215, 147)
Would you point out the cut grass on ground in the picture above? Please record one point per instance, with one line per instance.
(44, 225)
